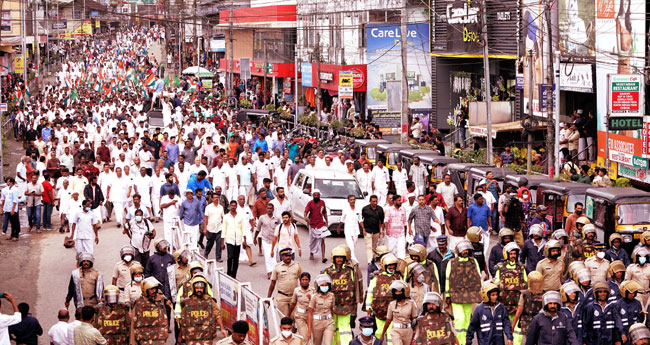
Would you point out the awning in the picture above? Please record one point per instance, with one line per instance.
(481, 131)
(7, 49)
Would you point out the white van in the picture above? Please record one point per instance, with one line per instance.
(334, 186)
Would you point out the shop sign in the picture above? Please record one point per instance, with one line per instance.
(464, 26)
(639, 162)
(245, 68)
(633, 173)
(480, 131)
(625, 94)
(645, 136)
(60, 26)
(286, 85)
(620, 157)
(346, 84)
(326, 77)
(359, 78)
(519, 82)
(306, 71)
(19, 65)
(625, 123)
(576, 78)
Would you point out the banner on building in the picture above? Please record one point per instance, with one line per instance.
(576, 77)
(245, 68)
(625, 95)
(576, 22)
(218, 44)
(388, 121)
(19, 64)
(385, 67)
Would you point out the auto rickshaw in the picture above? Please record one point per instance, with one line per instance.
(409, 154)
(390, 154)
(435, 165)
(458, 173)
(623, 210)
(477, 174)
(533, 182)
(369, 147)
(560, 199)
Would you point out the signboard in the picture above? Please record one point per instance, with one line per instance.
(207, 83)
(388, 121)
(544, 95)
(3, 106)
(481, 131)
(256, 317)
(577, 28)
(229, 296)
(639, 162)
(576, 78)
(625, 123)
(94, 14)
(60, 26)
(645, 136)
(98, 24)
(286, 85)
(245, 68)
(19, 65)
(519, 82)
(306, 70)
(218, 45)
(464, 26)
(633, 173)
(626, 94)
(346, 84)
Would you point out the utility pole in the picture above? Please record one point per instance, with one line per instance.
(556, 113)
(230, 63)
(404, 116)
(318, 95)
(47, 36)
(488, 93)
(550, 127)
(531, 93)
(295, 91)
(266, 61)
(196, 40)
(23, 33)
(37, 45)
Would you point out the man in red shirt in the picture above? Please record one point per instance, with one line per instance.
(48, 201)
(104, 153)
(316, 212)
(90, 170)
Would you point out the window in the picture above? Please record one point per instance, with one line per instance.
(299, 181)
(308, 183)
(5, 24)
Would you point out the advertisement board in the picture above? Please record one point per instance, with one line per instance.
(388, 121)
(229, 296)
(346, 84)
(256, 317)
(576, 77)
(464, 26)
(19, 64)
(218, 44)
(383, 54)
(625, 95)
(576, 19)
(306, 71)
(620, 49)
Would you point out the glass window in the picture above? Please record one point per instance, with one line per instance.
(633, 214)
(299, 180)
(338, 189)
(371, 152)
(571, 201)
(308, 184)
(393, 158)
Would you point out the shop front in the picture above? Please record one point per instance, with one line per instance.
(336, 97)
(271, 77)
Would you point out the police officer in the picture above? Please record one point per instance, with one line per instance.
(367, 336)
(418, 253)
(134, 289)
(416, 282)
(639, 334)
(463, 287)
(113, 319)
(344, 288)
(615, 252)
(639, 271)
(238, 336)
(375, 264)
(572, 308)
(496, 254)
(589, 232)
(150, 323)
(530, 302)
(200, 315)
(320, 324)
(434, 326)
(86, 283)
(511, 279)
(598, 265)
(583, 278)
(285, 274)
(182, 259)
(122, 272)
(358, 276)
(628, 307)
(186, 289)
(533, 249)
(601, 323)
(287, 337)
(379, 294)
(551, 267)
(401, 312)
(300, 304)
(490, 319)
(550, 327)
(474, 235)
(617, 272)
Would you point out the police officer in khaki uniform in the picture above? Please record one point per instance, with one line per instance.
(287, 337)
(86, 283)
(639, 271)
(238, 337)
(122, 272)
(134, 289)
(551, 267)
(418, 253)
(344, 288)
(182, 258)
(113, 319)
(401, 312)
(285, 275)
(150, 324)
(434, 326)
(320, 324)
(200, 315)
(588, 250)
(300, 304)
(598, 266)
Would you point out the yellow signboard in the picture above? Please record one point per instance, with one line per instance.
(346, 84)
(19, 64)
(97, 24)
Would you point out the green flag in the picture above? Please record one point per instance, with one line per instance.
(73, 94)
(167, 82)
(177, 82)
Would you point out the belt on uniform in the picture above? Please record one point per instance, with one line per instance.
(301, 311)
(284, 294)
(121, 289)
(401, 325)
(322, 317)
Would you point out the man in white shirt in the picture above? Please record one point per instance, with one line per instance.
(280, 203)
(281, 175)
(380, 179)
(432, 243)
(218, 175)
(213, 217)
(261, 170)
(364, 177)
(118, 192)
(447, 189)
(157, 180)
(58, 333)
(8, 320)
(144, 186)
(84, 229)
(416, 128)
(319, 161)
(400, 176)
(170, 205)
(232, 180)
(249, 224)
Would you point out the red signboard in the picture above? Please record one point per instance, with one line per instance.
(646, 137)
(624, 101)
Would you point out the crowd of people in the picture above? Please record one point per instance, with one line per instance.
(429, 276)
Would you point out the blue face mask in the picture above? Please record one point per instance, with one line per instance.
(366, 332)
(324, 289)
(642, 260)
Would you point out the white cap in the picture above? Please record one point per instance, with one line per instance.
(314, 191)
(411, 195)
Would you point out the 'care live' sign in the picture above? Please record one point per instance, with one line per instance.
(626, 94)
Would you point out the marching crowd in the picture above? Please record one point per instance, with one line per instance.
(431, 276)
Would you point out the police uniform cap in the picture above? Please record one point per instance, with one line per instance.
(442, 239)
(286, 251)
(366, 321)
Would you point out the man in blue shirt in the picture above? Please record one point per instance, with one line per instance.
(46, 132)
(191, 213)
(172, 150)
(479, 214)
(293, 149)
(169, 185)
(198, 180)
(261, 143)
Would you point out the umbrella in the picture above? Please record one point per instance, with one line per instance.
(200, 71)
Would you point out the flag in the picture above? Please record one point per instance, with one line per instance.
(130, 73)
(68, 82)
(167, 81)
(19, 99)
(27, 93)
(97, 87)
(149, 81)
(101, 74)
(177, 82)
(73, 94)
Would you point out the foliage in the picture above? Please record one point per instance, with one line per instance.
(622, 182)
(269, 107)
(359, 132)
(469, 156)
(308, 119)
(244, 103)
(285, 116)
(336, 125)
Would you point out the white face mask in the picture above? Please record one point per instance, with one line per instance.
(128, 258)
(601, 255)
(286, 334)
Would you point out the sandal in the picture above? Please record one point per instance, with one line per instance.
(252, 264)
